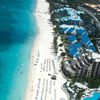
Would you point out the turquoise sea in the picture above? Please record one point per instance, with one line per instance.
(96, 96)
(17, 32)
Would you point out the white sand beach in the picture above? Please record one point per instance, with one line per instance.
(43, 63)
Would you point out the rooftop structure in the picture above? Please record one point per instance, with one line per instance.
(72, 17)
(72, 39)
(93, 6)
(83, 66)
(80, 33)
(76, 41)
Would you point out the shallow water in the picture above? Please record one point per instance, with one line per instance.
(17, 33)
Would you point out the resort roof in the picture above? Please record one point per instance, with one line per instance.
(85, 40)
(62, 19)
(70, 30)
(67, 29)
(92, 48)
(80, 31)
(73, 50)
(96, 56)
(68, 26)
(71, 38)
(74, 18)
(80, 85)
(72, 14)
(77, 45)
(69, 18)
(61, 9)
(62, 30)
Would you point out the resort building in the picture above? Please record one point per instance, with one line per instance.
(78, 46)
(72, 16)
(75, 37)
(83, 66)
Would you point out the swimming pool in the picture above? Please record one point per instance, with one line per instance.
(96, 96)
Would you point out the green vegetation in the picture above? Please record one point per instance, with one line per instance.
(84, 1)
(56, 4)
(56, 30)
(55, 43)
(79, 94)
(63, 38)
(88, 1)
(92, 82)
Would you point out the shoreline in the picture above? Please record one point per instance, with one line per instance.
(41, 51)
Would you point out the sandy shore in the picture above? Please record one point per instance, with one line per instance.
(43, 63)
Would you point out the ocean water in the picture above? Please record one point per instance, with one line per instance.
(17, 32)
(96, 96)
